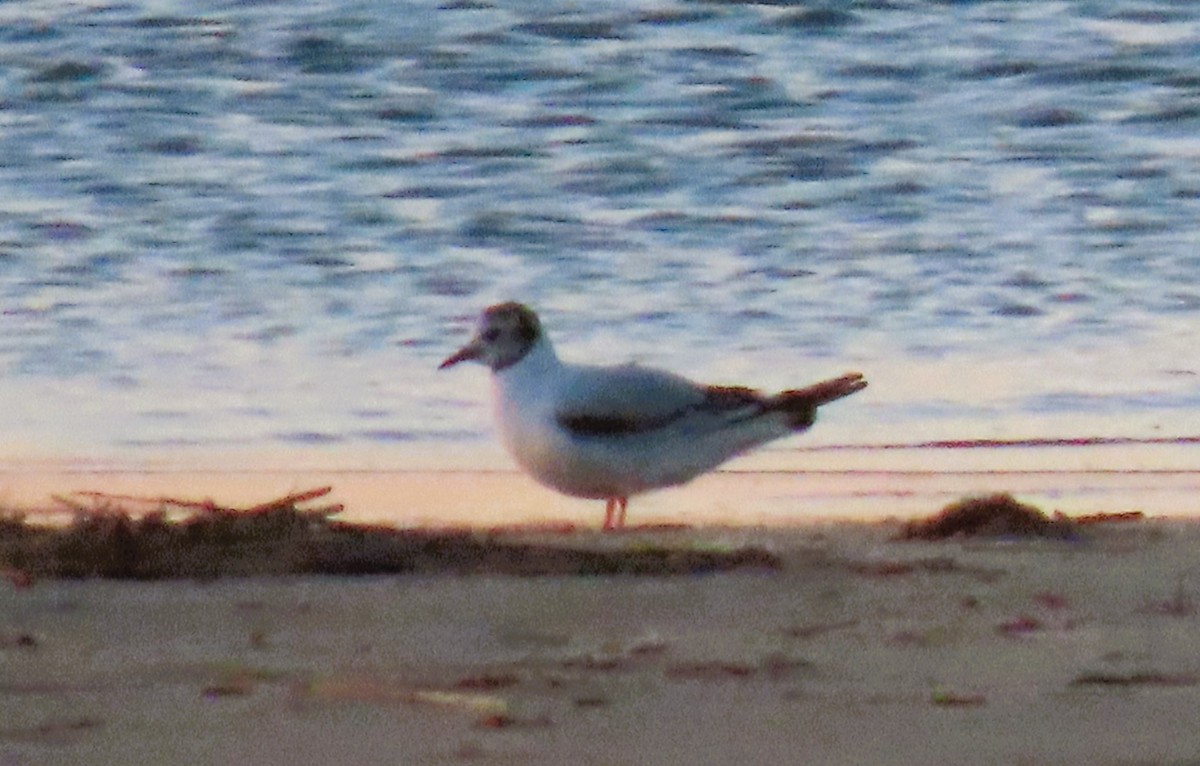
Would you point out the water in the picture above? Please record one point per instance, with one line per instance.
(260, 228)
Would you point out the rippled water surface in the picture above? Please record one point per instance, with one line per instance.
(264, 225)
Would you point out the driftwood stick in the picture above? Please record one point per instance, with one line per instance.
(289, 501)
(195, 505)
(204, 506)
(73, 505)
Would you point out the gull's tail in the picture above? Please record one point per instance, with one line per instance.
(800, 405)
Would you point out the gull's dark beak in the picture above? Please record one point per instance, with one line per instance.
(464, 354)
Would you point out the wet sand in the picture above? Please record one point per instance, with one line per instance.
(858, 648)
(478, 486)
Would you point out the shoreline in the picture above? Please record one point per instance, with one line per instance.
(473, 483)
(479, 487)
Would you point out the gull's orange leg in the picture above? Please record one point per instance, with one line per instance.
(614, 513)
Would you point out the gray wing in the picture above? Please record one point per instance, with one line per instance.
(620, 401)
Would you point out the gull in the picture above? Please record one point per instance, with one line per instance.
(609, 433)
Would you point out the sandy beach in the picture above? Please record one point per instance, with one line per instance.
(858, 648)
(239, 242)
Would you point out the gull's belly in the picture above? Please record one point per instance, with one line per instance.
(617, 466)
(525, 418)
(554, 458)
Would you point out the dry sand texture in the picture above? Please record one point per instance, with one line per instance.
(857, 648)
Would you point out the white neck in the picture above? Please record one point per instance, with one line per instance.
(539, 362)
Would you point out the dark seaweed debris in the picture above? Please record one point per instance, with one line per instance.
(997, 515)
(278, 538)
(1146, 678)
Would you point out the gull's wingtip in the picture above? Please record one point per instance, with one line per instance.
(801, 404)
(855, 382)
(850, 383)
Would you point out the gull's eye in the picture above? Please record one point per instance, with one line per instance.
(491, 335)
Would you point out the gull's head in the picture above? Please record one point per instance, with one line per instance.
(505, 334)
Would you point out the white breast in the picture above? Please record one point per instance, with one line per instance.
(525, 398)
